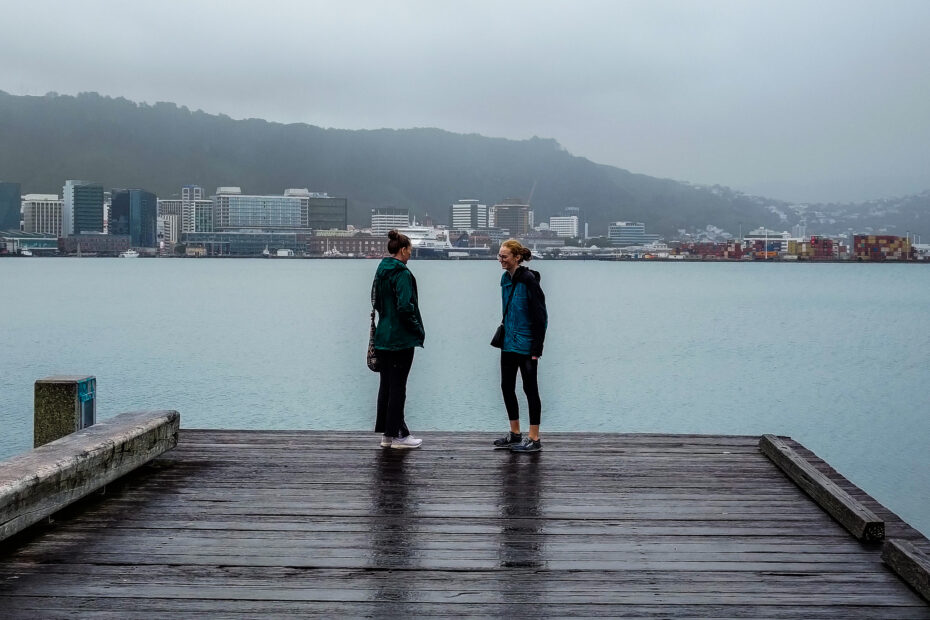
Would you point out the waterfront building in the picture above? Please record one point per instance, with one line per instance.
(42, 214)
(564, 225)
(234, 211)
(882, 248)
(468, 215)
(766, 240)
(385, 219)
(134, 212)
(81, 208)
(16, 241)
(355, 245)
(514, 216)
(325, 212)
(623, 234)
(93, 244)
(244, 243)
(10, 205)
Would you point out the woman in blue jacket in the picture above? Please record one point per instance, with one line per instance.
(525, 322)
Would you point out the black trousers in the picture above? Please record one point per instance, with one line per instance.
(392, 394)
(510, 364)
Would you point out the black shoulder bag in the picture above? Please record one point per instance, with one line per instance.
(498, 339)
(373, 362)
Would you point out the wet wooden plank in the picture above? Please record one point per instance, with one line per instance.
(244, 524)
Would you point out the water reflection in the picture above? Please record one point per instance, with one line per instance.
(521, 535)
(392, 540)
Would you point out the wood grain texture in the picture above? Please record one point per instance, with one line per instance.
(244, 524)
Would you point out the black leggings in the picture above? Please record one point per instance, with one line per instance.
(392, 394)
(510, 363)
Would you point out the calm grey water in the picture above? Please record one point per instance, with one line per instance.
(834, 355)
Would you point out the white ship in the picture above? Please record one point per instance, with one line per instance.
(130, 253)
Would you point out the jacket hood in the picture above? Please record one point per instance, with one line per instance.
(389, 265)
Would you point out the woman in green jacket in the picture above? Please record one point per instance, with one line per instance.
(399, 330)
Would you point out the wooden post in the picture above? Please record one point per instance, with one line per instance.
(856, 518)
(911, 564)
(63, 404)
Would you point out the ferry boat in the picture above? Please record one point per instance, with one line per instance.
(130, 253)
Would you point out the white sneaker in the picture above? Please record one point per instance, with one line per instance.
(407, 442)
(385, 441)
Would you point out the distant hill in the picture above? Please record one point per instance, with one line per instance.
(46, 140)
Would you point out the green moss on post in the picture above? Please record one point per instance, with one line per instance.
(58, 406)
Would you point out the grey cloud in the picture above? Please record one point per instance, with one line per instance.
(793, 99)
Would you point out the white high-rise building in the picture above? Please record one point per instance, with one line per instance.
(196, 211)
(468, 215)
(564, 225)
(67, 206)
(386, 219)
(42, 214)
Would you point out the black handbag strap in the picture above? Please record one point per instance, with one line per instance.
(374, 283)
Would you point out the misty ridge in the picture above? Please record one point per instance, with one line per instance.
(113, 141)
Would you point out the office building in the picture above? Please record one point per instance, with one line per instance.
(10, 205)
(468, 215)
(42, 214)
(582, 221)
(385, 219)
(325, 212)
(514, 216)
(564, 225)
(134, 212)
(171, 206)
(624, 234)
(81, 208)
(235, 211)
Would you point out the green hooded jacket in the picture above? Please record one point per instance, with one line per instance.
(399, 323)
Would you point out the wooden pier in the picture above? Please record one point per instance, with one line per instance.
(262, 524)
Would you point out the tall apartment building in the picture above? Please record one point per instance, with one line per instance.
(10, 205)
(134, 212)
(513, 216)
(42, 214)
(196, 211)
(564, 225)
(385, 219)
(81, 208)
(629, 233)
(468, 215)
(169, 228)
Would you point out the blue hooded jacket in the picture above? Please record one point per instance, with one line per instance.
(526, 320)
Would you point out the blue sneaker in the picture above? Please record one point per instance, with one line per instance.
(508, 440)
(527, 445)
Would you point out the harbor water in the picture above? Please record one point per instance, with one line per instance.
(833, 355)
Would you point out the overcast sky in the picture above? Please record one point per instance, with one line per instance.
(813, 100)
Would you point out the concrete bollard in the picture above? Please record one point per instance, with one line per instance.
(63, 404)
